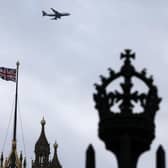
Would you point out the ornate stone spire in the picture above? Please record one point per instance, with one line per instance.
(42, 144)
(42, 151)
(42, 147)
(55, 162)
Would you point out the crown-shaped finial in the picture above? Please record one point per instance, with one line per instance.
(132, 122)
(106, 99)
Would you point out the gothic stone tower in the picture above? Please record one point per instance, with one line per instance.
(125, 132)
(42, 152)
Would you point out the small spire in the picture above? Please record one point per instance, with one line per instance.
(21, 156)
(24, 163)
(90, 157)
(2, 159)
(90, 148)
(160, 157)
(55, 145)
(55, 160)
(42, 147)
(2, 156)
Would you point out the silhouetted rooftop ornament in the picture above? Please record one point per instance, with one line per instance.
(90, 157)
(42, 152)
(42, 145)
(160, 157)
(55, 145)
(43, 122)
(127, 55)
(55, 161)
(105, 100)
(125, 132)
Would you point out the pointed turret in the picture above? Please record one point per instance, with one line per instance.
(42, 147)
(55, 162)
(42, 152)
(24, 163)
(160, 157)
(2, 159)
(90, 157)
(21, 157)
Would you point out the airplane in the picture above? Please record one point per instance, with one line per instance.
(56, 15)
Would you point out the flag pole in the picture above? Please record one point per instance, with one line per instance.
(16, 98)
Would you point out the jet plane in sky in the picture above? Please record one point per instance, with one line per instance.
(55, 15)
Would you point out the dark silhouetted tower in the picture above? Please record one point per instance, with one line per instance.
(42, 152)
(160, 158)
(90, 157)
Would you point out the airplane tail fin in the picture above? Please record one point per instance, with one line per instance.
(44, 13)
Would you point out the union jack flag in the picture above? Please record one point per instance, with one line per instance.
(8, 74)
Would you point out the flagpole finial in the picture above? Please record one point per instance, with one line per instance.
(17, 63)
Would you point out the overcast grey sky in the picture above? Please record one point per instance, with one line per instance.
(61, 60)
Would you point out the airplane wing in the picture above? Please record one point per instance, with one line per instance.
(55, 18)
(56, 12)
